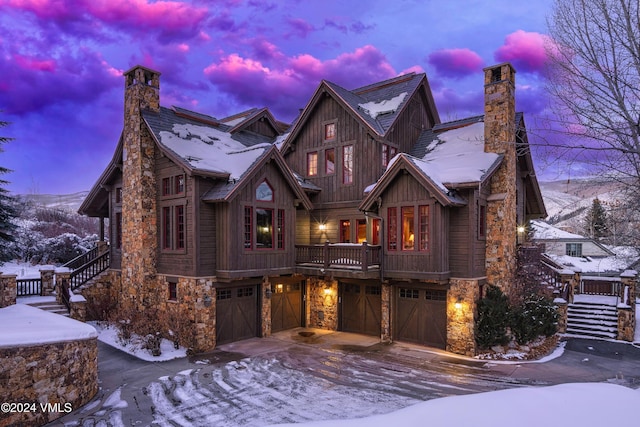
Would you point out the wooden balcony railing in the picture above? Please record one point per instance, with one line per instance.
(352, 256)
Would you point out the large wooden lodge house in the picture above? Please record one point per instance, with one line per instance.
(366, 215)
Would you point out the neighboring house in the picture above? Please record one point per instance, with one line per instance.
(368, 215)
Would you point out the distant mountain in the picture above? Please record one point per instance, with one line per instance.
(69, 202)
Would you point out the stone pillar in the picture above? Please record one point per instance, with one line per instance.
(461, 315)
(561, 309)
(500, 138)
(385, 326)
(8, 290)
(139, 210)
(627, 307)
(323, 303)
(62, 278)
(78, 307)
(265, 297)
(48, 283)
(205, 315)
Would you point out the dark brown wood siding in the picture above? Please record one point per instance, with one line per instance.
(467, 250)
(262, 127)
(114, 209)
(205, 235)
(176, 261)
(406, 191)
(409, 124)
(233, 259)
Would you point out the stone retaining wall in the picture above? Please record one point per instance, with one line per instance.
(64, 373)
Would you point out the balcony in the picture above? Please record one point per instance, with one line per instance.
(356, 260)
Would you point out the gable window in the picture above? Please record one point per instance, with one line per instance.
(347, 164)
(408, 236)
(388, 152)
(312, 163)
(574, 249)
(173, 185)
(392, 227)
(329, 131)
(424, 228)
(264, 192)
(345, 231)
(330, 161)
(173, 227)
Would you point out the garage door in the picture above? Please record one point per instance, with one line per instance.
(236, 313)
(361, 308)
(421, 316)
(286, 306)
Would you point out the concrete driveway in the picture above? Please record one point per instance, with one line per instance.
(328, 375)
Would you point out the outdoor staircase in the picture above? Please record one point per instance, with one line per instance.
(592, 320)
(51, 307)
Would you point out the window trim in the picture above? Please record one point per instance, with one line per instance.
(347, 172)
(329, 125)
(173, 186)
(423, 228)
(392, 228)
(312, 168)
(173, 220)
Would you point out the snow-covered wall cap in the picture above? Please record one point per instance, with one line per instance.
(629, 273)
(23, 325)
(374, 109)
(210, 149)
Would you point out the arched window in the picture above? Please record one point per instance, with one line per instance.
(264, 192)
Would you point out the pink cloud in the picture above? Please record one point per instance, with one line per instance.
(33, 64)
(525, 50)
(456, 63)
(291, 81)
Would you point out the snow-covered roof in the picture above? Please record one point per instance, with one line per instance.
(23, 325)
(209, 149)
(543, 231)
(385, 106)
(457, 156)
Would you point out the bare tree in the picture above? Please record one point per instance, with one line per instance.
(594, 80)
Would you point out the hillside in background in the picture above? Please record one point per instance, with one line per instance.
(69, 202)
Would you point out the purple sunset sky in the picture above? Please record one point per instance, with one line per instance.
(61, 65)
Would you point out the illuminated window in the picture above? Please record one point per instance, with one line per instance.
(312, 163)
(347, 164)
(361, 225)
(408, 237)
(424, 228)
(345, 231)
(264, 228)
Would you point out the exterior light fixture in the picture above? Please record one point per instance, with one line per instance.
(521, 229)
(268, 292)
(207, 300)
(322, 227)
(327, 290)
(458, 304)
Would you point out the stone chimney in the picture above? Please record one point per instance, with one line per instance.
(500, 138)
(139, 210)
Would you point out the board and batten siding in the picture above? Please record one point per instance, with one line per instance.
(232, 259)
(114, 208)
(409, 125)
(205, 234)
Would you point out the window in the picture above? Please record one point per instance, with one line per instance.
(409, 293)
(312, 163)
(392, 237)
(329, 131)
(173, 291)
(280, 229)
(388, 152)
(408, 237)
(173, 185)
(424, 228)
(345, 231)
(173, 227)
(223, 294)
(574, 249)
(118, 225)
(347, 164)
(264, 228)
(435, 295)
(248, 225)
(119, 195)
(264, 192)
(330, 161)
(361, 225)
(375, 231)
(482, 220)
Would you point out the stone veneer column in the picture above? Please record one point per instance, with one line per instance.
(461, 309)
(48, 284)
(266, 307)
(627, 309)
(8, 290)
(500, 138)
(385, 327)
(139, 210)
(63, 277)
(323, 306)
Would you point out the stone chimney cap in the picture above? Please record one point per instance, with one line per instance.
(499, 66)
(140, 66)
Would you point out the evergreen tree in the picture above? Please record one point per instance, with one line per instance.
(7, 210)
(596, 220)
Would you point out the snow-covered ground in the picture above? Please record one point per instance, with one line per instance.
(24, 270)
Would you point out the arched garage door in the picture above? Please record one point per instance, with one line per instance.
(236, 313)
(421, 316)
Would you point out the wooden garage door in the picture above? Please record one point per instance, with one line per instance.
(421, 316)
(236, 313)
(286, 306)
(361, 308)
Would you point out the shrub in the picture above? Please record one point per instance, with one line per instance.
(534, 317)
(493, 319)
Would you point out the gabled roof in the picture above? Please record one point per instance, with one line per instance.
(243, 120)
(96, 204)
(420, 170)
(376, 106)
(543, 231)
